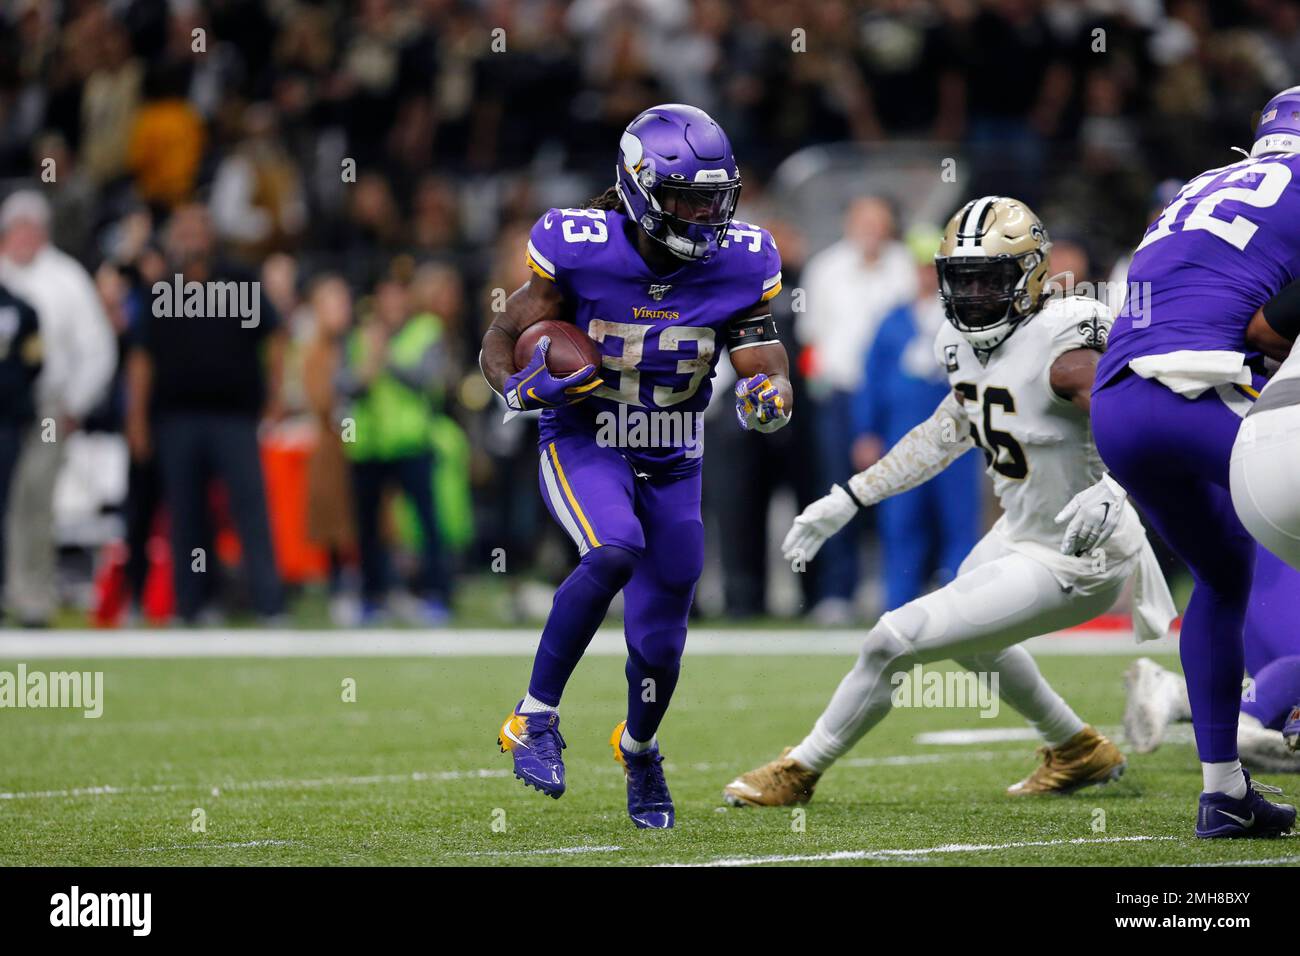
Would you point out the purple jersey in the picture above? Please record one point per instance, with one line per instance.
(1222, 248)
(660, 335)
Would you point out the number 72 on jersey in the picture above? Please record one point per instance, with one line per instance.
(1208, 191)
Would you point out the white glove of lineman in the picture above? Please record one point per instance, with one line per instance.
(819, 521)
(1094, 514)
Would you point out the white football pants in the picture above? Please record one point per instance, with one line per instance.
(998, 599)
(1265, 475)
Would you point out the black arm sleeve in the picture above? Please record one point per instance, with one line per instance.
(1282, 312)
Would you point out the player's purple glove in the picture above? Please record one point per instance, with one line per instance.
(533, 386)
(759, 405)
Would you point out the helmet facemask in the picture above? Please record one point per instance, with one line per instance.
(695, 215)
(986, 298)
(689, 219)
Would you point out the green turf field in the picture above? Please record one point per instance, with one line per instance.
(285, 772)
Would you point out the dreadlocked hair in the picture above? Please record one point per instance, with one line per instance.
(609, 199)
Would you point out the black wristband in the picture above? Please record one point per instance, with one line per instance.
(848, 489)
(751, 330)
(1282, 312)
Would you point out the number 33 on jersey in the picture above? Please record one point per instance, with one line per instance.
(660, 335)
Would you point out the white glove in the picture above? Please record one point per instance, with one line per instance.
(1094, 514)
(819, 521)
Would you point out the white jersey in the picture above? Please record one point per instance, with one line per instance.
(1038, 446)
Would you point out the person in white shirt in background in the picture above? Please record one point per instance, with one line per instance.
(80, 357)
(850, 287)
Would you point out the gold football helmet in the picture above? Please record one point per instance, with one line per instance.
(992, 266)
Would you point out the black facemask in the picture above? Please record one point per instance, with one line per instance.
(979, 292)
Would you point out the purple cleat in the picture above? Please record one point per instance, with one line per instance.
(1222, 816)
(649, 803)
(535, 743)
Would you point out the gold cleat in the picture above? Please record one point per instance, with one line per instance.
(1085, 759)
(615, 738)
(781, 783)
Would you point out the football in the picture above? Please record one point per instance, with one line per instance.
(571, 348)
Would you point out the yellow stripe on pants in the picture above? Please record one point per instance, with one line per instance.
(573, 502)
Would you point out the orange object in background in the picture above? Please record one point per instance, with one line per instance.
(284, 476)
(807, 361)
(284, 467)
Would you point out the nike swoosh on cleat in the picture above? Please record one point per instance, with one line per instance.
(651, 825)
(1244, 821)
(505, 729)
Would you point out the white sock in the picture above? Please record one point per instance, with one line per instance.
(863, 699)
(635, 746)
(818, 750)
(1066, 729)
(1224, 778)
(532, 705)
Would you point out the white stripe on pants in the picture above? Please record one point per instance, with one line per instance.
(561, 507)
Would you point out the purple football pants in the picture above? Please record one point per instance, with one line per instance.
(1273, 640)
(641, 535)
(1172, 454)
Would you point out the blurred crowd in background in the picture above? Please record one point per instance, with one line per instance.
(376, 166)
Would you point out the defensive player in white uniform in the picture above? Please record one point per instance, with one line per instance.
(1021, 368)
(1266, 461)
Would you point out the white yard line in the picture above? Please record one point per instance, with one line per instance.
(253, 722)
(1270, 861)
(900, 760)
(243, 785)
(909, 760)
(33, 645)
(839, 855)
(552, 851)
(247, 844)
(964, 738)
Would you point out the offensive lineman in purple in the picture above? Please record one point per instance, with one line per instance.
(1179, 372)
(660, 276)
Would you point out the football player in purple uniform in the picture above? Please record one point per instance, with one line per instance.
(661, 276)
(1264, 462)
(1269, 711)
(1171, 390)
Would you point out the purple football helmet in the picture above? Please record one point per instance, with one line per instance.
(678, 179)
(1279, 125)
